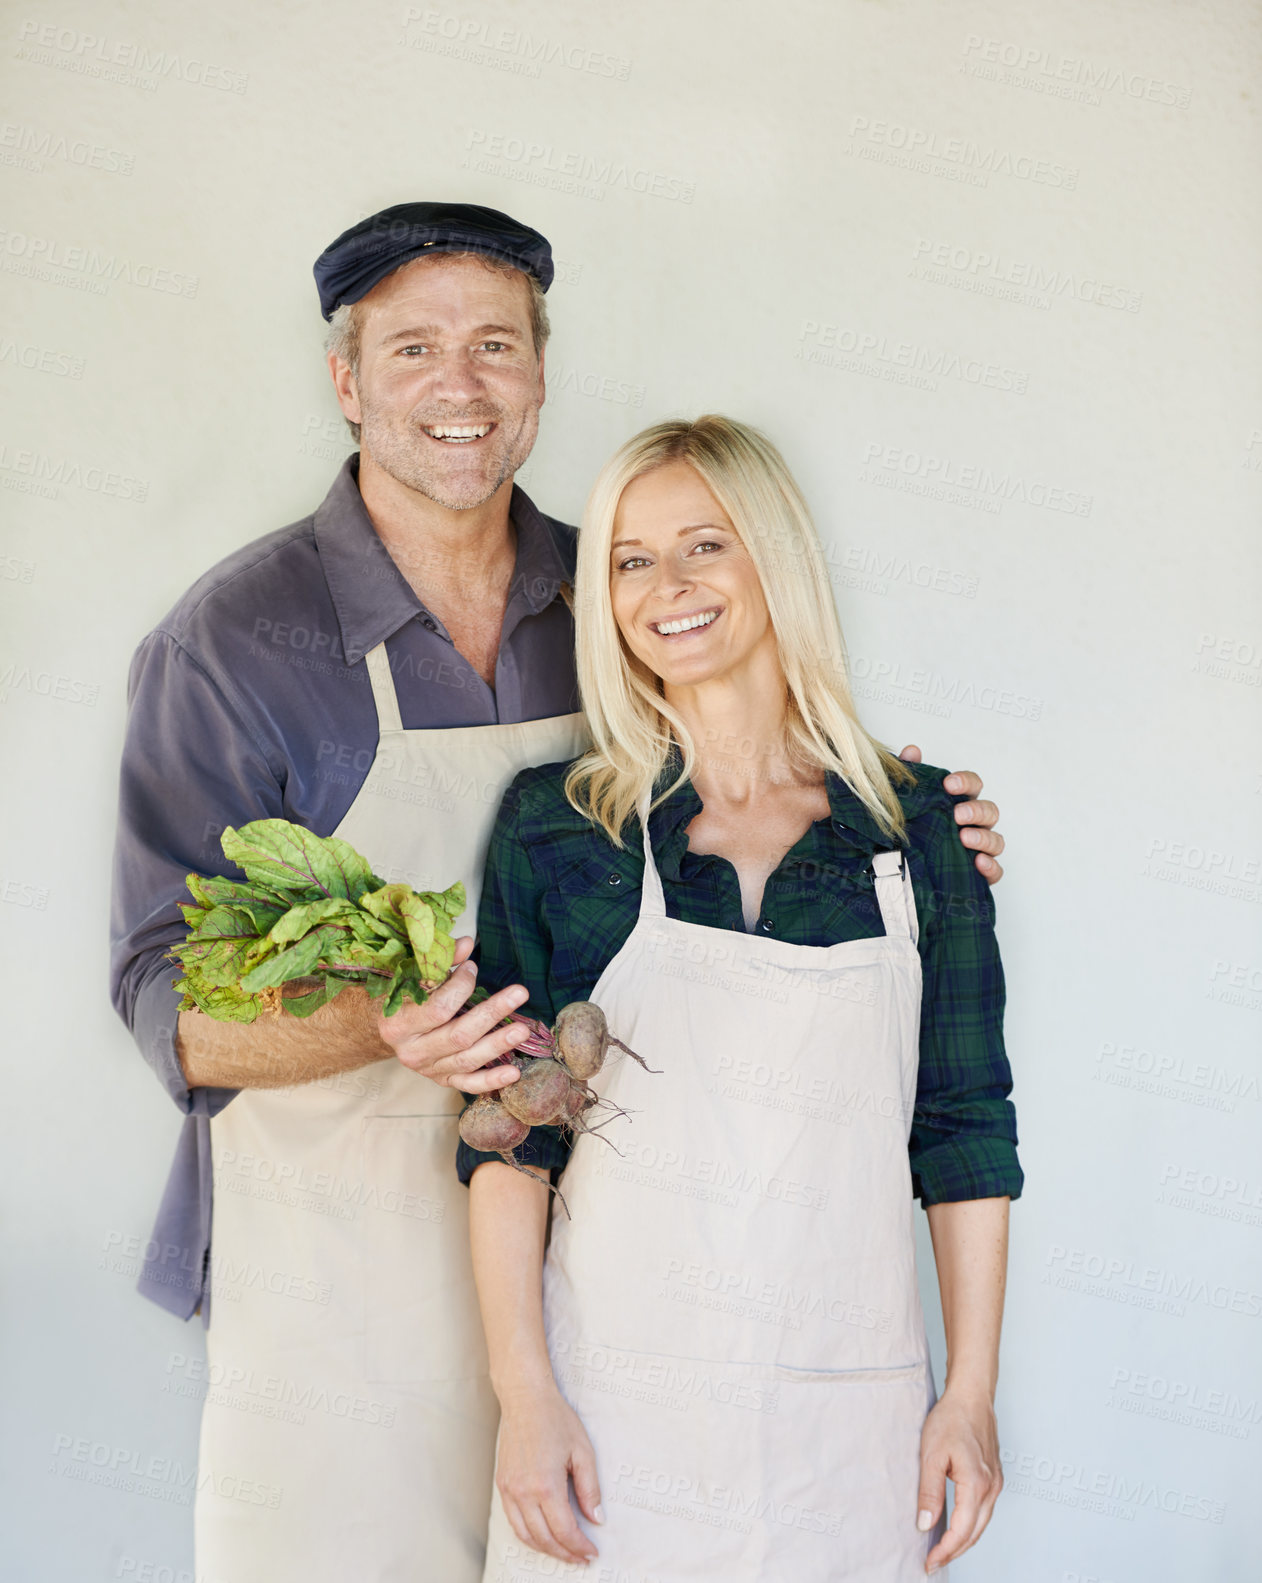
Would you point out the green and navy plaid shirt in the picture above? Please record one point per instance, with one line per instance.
(559, 901)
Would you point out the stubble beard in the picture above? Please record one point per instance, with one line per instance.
(401, 449)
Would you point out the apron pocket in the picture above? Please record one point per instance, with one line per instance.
(904, 1371)
(744, 1471)
(421, 1317)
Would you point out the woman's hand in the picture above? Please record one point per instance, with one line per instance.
(542, 1445)
(960, 1440)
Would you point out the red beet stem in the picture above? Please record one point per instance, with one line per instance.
(540, 1042)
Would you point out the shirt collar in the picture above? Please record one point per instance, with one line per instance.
(542, 565)
(371, 596)
(668, 822)
(850, 817)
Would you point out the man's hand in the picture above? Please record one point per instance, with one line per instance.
(451, 1050)
(978, 817)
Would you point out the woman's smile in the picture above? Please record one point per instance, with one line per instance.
(694, 624)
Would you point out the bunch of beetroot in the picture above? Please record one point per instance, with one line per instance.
(554, 1088)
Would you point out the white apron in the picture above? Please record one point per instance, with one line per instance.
(732, 1310)
(348, 1431)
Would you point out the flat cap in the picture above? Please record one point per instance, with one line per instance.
(351, 266)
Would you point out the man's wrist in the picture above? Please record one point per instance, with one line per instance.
(281, 1051)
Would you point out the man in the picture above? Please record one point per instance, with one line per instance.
(381, 670)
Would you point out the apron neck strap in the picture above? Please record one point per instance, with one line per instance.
(894, 896)
(384, 694)
(652, 899)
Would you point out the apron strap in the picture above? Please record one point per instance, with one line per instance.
(384, 694)
(894, 896)
(652, 897)
(893, 889)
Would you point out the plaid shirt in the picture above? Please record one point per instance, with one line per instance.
(559, 901)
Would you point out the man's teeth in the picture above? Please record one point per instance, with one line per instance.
(457, 432)
(686, 624)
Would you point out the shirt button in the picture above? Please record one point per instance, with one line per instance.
(429, 623)
(766, 925)
(615, 879)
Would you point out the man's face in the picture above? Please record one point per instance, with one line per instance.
(449, 385)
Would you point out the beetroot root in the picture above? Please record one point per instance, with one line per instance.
(539, 1094)
(578, 1098)
(582, 1037)
(489, 1126)
(583, 1040)
(552, 1089)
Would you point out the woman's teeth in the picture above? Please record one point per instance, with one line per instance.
(458, 434)
(668, 629)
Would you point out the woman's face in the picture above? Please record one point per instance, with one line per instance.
(685, 593)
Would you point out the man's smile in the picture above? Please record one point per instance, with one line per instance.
(457, 433)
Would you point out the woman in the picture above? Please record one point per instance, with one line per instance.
(725, 1351)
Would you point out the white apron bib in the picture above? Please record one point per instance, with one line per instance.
(348, 1431)
(732, 1310)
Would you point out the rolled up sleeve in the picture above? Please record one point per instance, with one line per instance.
(514, 947)
(964, 1126)
(190, 767)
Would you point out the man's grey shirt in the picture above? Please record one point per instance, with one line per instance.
(251, 700)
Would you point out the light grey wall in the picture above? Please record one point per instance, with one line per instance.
(988, 274)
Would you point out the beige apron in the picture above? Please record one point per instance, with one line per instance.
(348, 1431)
(732, 1310)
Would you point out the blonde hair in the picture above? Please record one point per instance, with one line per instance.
(632, 725)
